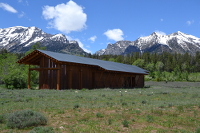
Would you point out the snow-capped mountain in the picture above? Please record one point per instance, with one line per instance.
(176, 42)
(20, 39)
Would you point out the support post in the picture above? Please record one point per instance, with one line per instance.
(58, 77)
(29, 78)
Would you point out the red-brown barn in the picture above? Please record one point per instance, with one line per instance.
(63, 71)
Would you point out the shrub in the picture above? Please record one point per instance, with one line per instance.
(84, 89)
(180, 108)
(99, 115)
(170, 105)
(42, 130)
(125, 123)
(124, 104)
(197, 130)
(109, 121)
(15, 80)
(103, 95)
(144, 102)
(2, 119)
(25, 118)
(149, 118)
(76, 106)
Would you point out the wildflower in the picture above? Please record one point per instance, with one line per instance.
(76, 91)
(125, 91)
(61, 127)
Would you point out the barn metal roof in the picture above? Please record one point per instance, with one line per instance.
(107, 65)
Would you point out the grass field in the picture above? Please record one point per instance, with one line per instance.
(159, 107)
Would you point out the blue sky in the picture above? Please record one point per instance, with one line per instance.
(95, 23)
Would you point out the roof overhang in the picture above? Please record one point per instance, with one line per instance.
(34, 58)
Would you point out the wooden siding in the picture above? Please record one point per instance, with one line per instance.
(65, 75)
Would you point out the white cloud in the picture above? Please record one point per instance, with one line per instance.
(160, 32)
(7, 8)
(21, 14)
(93, 38)
(65, 17)
(114, 34)
(161, 19)
(190, 22)
(24, 2)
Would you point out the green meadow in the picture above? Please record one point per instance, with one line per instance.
(159, 107)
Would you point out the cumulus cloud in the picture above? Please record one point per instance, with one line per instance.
(114, 34)
(92, 39)
(190, 22)
(7, 8)
(65, 17)
(160, 32)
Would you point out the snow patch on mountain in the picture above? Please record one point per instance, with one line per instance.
(37, 39)
(176, 42)
(20, 39)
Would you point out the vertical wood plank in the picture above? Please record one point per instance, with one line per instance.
(137, 80)
(70, 78)
(42, 73)
(106, 80)
(93, 80)
(99, 79)
(58, 77)
(29, 78)
(80, 79)
(119, 85)
(51, 75)
(66, 78)
(131, 81)
(112, 86)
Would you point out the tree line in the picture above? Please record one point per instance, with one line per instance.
(161, 67)
(14, 75)
(165, 66)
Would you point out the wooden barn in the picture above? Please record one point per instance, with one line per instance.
(64, 71)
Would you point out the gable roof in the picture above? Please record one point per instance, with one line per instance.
(107, 65)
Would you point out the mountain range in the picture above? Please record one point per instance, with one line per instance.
(176, 42)
(20, 39)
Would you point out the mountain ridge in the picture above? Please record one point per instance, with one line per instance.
(20, 39)
(175, 42)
